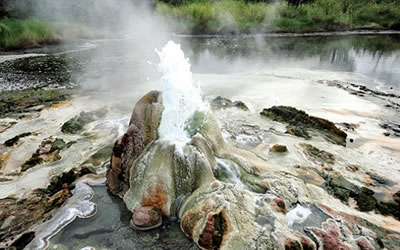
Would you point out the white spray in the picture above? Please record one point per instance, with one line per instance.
(180, 97)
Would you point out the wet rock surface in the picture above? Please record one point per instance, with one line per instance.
(146, 218)
(76, 124)
(142, 131)
(385, 99)
(245, 194)
(22, 104)
(277, 148)
(18, 215)
(223, 103)
(51, 71)
(316, 155)
(300, 124)
(392, 129)
(48, 151)
(113, 230)
(223, 195)
(13, 141)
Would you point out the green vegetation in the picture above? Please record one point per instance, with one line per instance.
(195, 123)
(76, 124)
(234, 16)
(15, 33)
(25, 100)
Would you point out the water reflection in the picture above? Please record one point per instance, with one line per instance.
(377, 57)
(109, 229)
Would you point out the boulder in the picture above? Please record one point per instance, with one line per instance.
(277, 148)
(300, 123)
(223, 103)
(142, 131)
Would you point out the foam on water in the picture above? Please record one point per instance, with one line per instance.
(297, 215)
(79, 205)
(180, 97)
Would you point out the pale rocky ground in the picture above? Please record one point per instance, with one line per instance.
(372, 160)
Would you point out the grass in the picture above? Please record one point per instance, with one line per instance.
(20, 101)
(218, 17)
(237, 16)
(15, 33)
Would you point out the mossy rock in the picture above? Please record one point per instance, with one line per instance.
(318, 155)
(58, 144)
(223, 103)
(389, 208)
(195, 123)
(21, 101)
(11, 142)
(52, 155)
(77, 123)
(365, 202)
(300, 123)
(277, 148)
(298, 131)
(343, 189)
(103, 154)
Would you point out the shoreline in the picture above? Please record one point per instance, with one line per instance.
(283, 34)
(272, 34)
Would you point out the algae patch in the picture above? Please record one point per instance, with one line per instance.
(77, 123)
(300, 124)
(14, 102)
(48, 151)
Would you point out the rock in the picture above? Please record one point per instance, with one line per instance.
(223, 103)
(18, 216)
(146, 218)
(329, 237)
(278, 149)
(365, 201)
(23, 240)
(77, 123)
(342, 188)
(142, 131)
(353, 168)
(229, 198)
(380, 180)
(195, 123)
(240, 105)
(102, 155)
(11, 142)
(299, 123)
(316, 155)
(20, 101)
(364, 244)
(4, 125)
(48, 151)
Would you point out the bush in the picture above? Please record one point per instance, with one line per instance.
(16, 33)
(230, 16)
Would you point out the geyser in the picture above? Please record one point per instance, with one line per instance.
(181, 99)
(169, 163)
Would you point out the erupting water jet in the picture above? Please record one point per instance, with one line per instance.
(181, 99)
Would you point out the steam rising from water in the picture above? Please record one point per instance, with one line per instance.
(180, 97)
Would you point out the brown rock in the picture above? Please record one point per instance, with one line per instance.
(352, 168)
(280, 205)
(277, 148)
(142, 131)
(146, 218)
